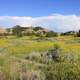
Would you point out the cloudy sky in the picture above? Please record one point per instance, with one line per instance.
(58, 15)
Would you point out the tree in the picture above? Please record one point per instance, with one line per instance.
(78, 34)
(69, 33)
(51, 34)
(37, 28)
(17, 31)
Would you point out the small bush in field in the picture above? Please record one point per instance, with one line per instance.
(54, 53)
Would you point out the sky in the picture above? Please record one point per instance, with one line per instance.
(58, 15)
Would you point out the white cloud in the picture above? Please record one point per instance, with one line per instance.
(55, 22)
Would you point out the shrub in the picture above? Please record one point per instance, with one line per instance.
(54, 53)
(51, 34)
(78, 34)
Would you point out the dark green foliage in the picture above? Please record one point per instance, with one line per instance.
(29, 34)
(78, 34)
(17, 31)
(68, 33)
(37, 28)
(51, 34)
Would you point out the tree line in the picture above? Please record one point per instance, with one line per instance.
(20, 31)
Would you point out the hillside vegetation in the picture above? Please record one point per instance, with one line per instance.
(32, 58)
(35, 53)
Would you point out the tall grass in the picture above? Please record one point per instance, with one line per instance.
(25, 59)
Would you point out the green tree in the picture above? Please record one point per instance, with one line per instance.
(78, 34)
(37, 28)
(17, 31)
(51, 34)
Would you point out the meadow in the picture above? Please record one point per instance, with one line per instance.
(26, 58)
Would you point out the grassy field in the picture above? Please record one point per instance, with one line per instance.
(15, 66)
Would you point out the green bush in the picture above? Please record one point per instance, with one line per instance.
(51, 34)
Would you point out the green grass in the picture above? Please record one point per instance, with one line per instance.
(13, 50)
